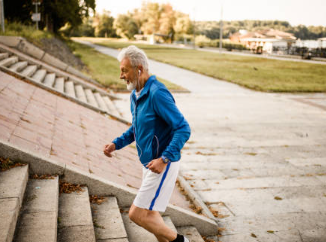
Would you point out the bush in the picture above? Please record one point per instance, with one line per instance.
(26, 31)
(202, 41)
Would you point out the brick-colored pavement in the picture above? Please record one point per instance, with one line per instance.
(47, 124)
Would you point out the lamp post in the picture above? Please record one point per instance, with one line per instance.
(2, 17)
(36, 16)
(194, 46)
(221, 27)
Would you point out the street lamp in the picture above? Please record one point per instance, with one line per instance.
(221, 27)
(36, 16)
(2, 17)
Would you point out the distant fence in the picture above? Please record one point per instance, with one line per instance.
(308, 53)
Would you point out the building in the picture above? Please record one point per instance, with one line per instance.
(267, 41)
(322, 42)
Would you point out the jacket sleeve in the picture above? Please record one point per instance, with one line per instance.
(125, 139)
(165, 107)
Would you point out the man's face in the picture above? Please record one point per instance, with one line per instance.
(127, 72)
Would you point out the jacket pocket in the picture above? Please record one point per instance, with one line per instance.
(155, 147)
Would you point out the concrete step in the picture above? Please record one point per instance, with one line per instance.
(80, 93)
(191, 233)
(75, 218)
(90, 98)
(29, 70)
(59, 84)
(107, 221)
(39, 214)
(100, 102)
(3, 56)
(9, 61)
(18, 66)
(39, 75)
(138, 234)
(112, 109)
(12, 188)
(70, 89)
(49, 79)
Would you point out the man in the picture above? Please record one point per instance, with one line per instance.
(160, 132)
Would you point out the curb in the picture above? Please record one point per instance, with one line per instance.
(195, 198)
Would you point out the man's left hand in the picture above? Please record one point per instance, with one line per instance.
(156, 166)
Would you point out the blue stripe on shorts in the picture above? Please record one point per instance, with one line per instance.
(160, 186)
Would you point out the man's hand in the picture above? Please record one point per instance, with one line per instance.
(156, 166)
(108, 149)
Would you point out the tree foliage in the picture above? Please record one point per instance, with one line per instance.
(126, 26)
(103, 24)
(211, 29)
(153, 18)
(54, 13)
(148, 19)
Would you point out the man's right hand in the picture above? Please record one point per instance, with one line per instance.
(108, 149)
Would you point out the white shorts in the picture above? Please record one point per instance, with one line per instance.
(156, 189)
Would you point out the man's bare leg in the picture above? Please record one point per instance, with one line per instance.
(153, 222)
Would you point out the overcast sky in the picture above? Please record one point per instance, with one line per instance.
(307, 12)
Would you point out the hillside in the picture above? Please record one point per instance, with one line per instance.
(212, 28)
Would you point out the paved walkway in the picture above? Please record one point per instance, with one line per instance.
(259, 159)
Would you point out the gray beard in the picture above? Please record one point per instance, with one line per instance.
(131, 86)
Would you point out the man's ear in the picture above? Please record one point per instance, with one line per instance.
(140, 70)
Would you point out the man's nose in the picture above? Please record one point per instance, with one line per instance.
(122, 76)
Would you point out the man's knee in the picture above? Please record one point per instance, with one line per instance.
(136, 215)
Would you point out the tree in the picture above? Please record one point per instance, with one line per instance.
(18, 11)
(104, 25)
(54, 13)
(125, 26)
(151, 15)
(166, 20)
(183, 24)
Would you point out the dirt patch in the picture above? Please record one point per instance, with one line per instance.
(61, 51)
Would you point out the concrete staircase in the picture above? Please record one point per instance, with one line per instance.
(55, 80)
(33, 210)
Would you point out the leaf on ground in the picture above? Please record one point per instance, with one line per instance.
(278, 198)
(41, 177)
(214, 212)
(253, 235)
(66, 187)
(96, 199)
(251, 153)
(270, 231)
(6, 164)
(207, 240)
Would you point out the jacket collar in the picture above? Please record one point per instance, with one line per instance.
(145, 91)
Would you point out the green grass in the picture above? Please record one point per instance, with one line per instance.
(252, 72)
(100, 67)
(28, 32)
(106, 69)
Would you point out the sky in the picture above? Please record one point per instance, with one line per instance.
(307, 12)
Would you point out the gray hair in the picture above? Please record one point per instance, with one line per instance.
(135, 55)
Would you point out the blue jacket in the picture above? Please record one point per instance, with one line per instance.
(157, 124)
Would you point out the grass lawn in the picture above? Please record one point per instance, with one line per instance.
(253, 72)
(106, 69)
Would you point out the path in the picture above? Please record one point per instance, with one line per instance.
(259, 159)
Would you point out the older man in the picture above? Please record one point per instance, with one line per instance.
(160, 132)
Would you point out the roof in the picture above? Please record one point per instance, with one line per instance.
(267, 34)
